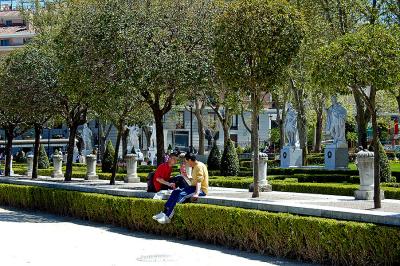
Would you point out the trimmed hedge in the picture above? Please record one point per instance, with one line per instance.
(313, 239)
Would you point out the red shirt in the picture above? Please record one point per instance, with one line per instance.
(164, 172)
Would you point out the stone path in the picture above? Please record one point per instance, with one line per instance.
(31, 238)
(328, 206)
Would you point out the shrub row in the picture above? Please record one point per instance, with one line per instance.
(313, 239)
(313, 188)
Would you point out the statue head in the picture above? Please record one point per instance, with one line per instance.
(334, 99)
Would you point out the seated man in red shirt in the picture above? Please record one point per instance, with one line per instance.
(162, 177)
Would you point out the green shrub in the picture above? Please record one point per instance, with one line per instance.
(20, 157)
(319, 240)
(108, 158)
(239, 150)
(229, 160)
(214, 159)
(385, 172)
(43, 160)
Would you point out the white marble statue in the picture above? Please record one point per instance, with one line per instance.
(133, 139)
(153, 139)
(291, 133)
(335, 122)
(87, 139)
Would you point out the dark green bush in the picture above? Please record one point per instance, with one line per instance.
(43, 160)
(229, 160)
(20, 157)
(108, 158)
(385, 172)
(214, 159)
(324, 241)
(315, 159)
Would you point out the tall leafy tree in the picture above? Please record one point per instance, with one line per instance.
(174, 42)
(255, 42)
(32, 73)
(367, 60)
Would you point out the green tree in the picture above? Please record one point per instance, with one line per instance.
(214, 158)
(43, 160)
(229, 160)
(32, 72)
(51, 23)
(367, 60)
(179, 33)
(108, 158)
(109, 63)
(255, 42)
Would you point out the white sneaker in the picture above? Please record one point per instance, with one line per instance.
(164, 219)
(158, 216)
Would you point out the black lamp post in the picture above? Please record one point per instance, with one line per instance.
(191, 127)
(48, 141)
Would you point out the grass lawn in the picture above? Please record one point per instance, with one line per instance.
(395, 166)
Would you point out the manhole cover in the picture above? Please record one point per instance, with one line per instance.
(155, 258)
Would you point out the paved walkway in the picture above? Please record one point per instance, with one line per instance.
(30, 238)
(328, 206)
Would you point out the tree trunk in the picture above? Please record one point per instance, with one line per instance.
(377, 188)
(227, 136)
(70, 152)
(398, 100)
(8, 149)
(200, 126)
(302, 126)
(102, 139)
(38, 131)
(255, 143)
(117, 144)
(362, 118)
(299, 97)
(125, 135)
(281, 127)
(318, 130)
(158, 115)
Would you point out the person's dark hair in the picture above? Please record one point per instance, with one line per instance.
(190, 156)
(173, 154)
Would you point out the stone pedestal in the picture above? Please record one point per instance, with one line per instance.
(91, 167)
(29, 160)
(336, 157)
(263, 185)
(57, 163)
(131, 169)
(365, 165)
(291, 157)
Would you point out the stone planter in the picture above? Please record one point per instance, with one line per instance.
(131, 169)
(57, 163)
(91, 161)
(29, 160)
(262, 174)
(365, 165)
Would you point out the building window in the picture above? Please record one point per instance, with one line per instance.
(234, 124)
(180, 120)
(181, 139)
(4, 43)
(9, 23)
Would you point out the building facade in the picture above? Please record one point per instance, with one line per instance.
(14, 31)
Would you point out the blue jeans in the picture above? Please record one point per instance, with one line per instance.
(179, 196)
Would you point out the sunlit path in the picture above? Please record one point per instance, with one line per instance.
(29, 238)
